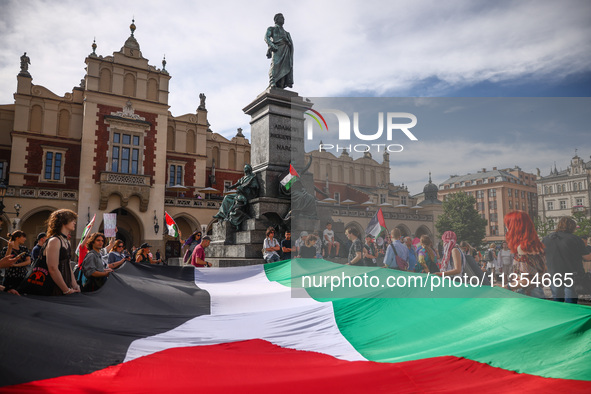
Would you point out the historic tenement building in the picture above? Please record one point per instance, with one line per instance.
(111, 145)
(357, 188)
(497, 193)
(566, 192)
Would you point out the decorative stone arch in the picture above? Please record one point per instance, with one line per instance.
(32, 223)
(215, 155)
(423, 230)
(130, 227)
(152, 89)
(232, 159)
(246, 157)
(190, 141)
(36, 118)
(129, 85)
(63, 123)
(358, 227)
(125, 192)
(105, 80)
(404, 230)
(170, 138)
(187, 224)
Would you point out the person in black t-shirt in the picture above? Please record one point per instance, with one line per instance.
(565, 253)
(369, 251)
(356, 246)
(286, 246)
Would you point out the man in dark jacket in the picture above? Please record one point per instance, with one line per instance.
(565, 253)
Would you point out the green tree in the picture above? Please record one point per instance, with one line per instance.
(583, 224)
(461, 217)
(544, 227)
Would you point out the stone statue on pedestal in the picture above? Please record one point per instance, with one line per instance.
(25, 61)
(281, 51)
(233, 208)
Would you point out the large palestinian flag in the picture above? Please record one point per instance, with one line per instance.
(254, 329)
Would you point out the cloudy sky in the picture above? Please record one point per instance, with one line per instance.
(350, 48)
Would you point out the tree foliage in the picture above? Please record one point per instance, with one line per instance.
(544, 227)
(461, 217)
(583, 224)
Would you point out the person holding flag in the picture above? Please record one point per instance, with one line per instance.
(81, 250)
(377, 224)
(171, 226)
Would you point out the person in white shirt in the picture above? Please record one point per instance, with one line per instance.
(329, 241)
(271, 246)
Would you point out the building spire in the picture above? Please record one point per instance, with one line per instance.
(132, 26)
(94, 46)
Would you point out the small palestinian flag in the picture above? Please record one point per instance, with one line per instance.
(377, 224)
(290, 178)
(173, 228)
(86, 231)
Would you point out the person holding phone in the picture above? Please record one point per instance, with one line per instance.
(18, 271)
(116, 255)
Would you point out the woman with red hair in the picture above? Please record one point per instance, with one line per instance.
(530, 258)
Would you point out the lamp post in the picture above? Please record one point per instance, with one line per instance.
(156, 225)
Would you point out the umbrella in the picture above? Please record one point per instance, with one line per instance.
(348, 202)
(209, 190)
(328, 201)
(178, 188)
(368, 203)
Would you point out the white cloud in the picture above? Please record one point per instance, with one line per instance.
(363, 46)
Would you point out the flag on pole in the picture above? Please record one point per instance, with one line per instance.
(290, 178)
(173, 228)
(377, 224)
(84, 233)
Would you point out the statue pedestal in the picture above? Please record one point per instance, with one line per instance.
(231, 248)
(277, 137)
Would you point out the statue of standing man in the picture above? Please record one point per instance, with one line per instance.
(25, 61)
(281, 52)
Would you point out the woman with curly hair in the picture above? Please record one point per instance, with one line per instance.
(59, 251)
(528, 251)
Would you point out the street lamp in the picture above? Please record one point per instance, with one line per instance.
(156, 225)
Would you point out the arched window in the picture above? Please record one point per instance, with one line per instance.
(63, 123)
(129, 85)
(329, 172)
(36, 119)
(232, 159)
(247, 157)
(105, 80)
(215, 156)
(170, 140)
(190, 141)
(341, 175)
(152, 89)
(352, 175)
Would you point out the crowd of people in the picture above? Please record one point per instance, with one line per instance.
(523, 263)
(521, 258)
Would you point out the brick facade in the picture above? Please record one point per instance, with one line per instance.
(34, 164)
